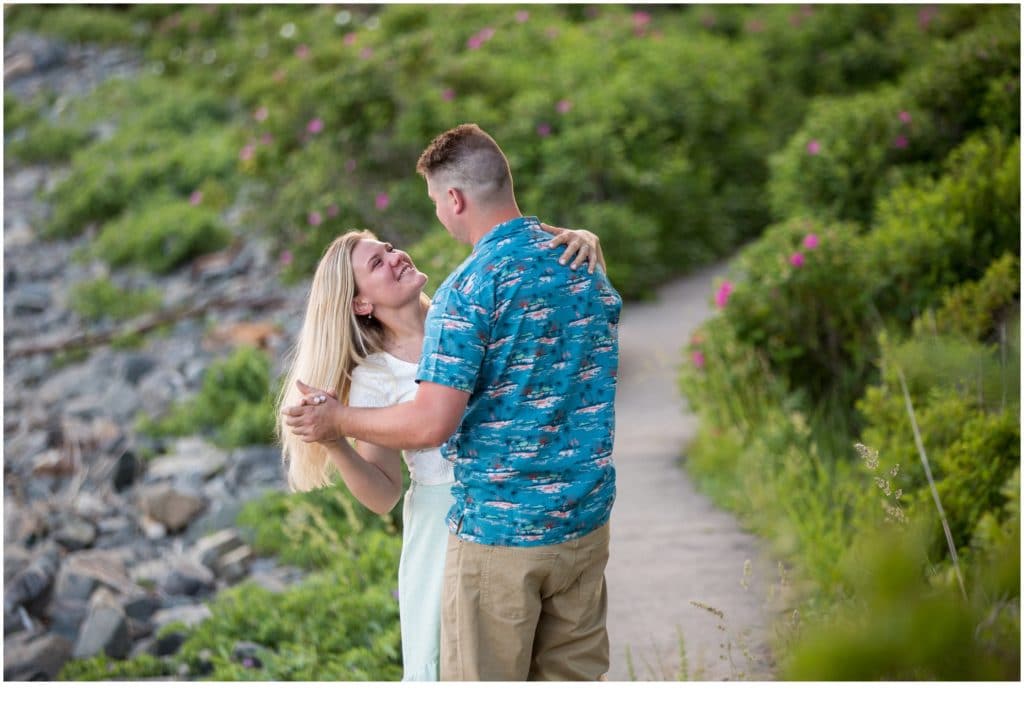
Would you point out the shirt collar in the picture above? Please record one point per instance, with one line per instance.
(505, 228)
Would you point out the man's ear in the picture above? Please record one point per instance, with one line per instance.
(457, 199)
(361, 307)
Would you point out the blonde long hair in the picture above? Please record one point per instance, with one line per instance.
(333, 341)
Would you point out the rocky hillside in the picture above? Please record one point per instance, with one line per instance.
(109, 533)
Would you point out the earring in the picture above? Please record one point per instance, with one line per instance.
(370, 316)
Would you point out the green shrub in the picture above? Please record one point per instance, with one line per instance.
(168, 143)
(970, 475)
(846, 154)
(978, 310)
(852, 150)
(973, 80)
(79, 23)
(102, 298)
(49, 143)
(309, 529)
(339, 624)
(802, 297)
(101, 668)
(936, 234)
(234, 405)
(161, 235)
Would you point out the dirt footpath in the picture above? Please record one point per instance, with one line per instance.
(670, 545)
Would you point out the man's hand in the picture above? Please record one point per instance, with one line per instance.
(317, 418)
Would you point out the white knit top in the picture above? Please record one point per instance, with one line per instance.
(383, 380)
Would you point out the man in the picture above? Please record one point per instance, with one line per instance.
(518, 374)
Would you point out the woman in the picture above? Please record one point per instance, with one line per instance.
(361, 337)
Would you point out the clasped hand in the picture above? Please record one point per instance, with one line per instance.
(316, 418)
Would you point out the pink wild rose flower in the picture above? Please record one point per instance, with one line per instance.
(813, 147)
(722, 295)
(797, 260)
(811, 241)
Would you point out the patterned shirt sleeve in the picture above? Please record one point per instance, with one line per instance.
(455, 339)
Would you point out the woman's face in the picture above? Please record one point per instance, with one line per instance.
(385, 276)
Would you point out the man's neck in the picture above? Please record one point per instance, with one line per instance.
(492, 219)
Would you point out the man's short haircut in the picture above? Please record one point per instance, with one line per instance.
(467, 158)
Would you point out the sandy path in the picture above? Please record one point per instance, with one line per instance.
(670, 545)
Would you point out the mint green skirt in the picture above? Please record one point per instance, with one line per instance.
(420, 578)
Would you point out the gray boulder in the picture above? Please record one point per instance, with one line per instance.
(192, 462)
(83, 572)
(105, 629)
(171, 507)
(35, 657)
(31, 586)
(76, 534)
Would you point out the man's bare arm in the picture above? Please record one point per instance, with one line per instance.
(427, 421)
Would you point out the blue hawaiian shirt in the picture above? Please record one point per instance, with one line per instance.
(535, 344)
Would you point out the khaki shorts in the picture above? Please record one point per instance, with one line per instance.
(525, 613)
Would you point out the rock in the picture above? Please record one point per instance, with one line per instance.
(188, 578)
(171, 507)
(264, 572)
(35, 658)
(24, 523)
(16, 558)
(32, 586)
(223, 513)
(117, 399)
(139, 629)
(209, 549)
(51, 463)
(255, 465)
(20, 620)
(188, 614)
(153, 530)
(76, 534)
(105, 629)
(160, 388)
(151, 573)
(127, 469)
(116, 531)
(192, 461)
(169, 644)
(67, 615)
(249, 654)
(30, 298)
(137, 366)
(91, 506)
(140, 606)
(18, 65)
(243, 333)
(234, 566)
(83, 572)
